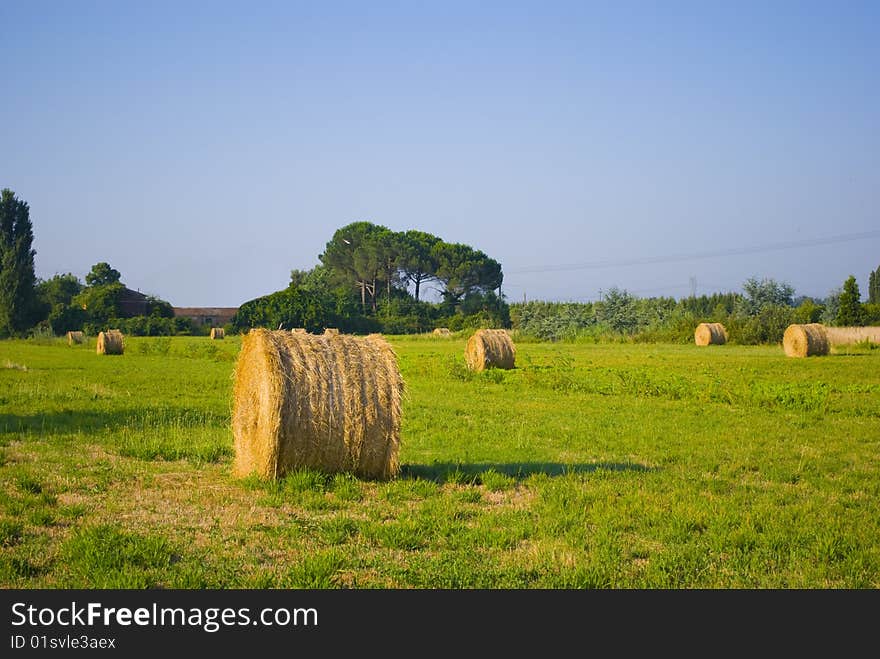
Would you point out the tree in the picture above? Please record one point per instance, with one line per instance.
(464, 270)
(417, 261)
(18, 297)
(102, 275)
(352, 257)
(101, 303)
(849, 310)
(56, 295)
(59, 290)
(874, 287)
(764, 293)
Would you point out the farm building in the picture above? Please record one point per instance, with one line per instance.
(133, 303)
(212, 316)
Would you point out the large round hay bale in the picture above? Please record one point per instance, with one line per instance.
(805, 340)
(331, 331)
(217, 333)
(299, 330)
(710, 334)
(490, 348)
(75, 338)
(110, 343)
(442, 331)
(330, 403)
(844, 336)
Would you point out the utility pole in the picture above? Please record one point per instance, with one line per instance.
(693, 286)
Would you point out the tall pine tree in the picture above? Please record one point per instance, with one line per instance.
(874, 286)
(850, 312)
(18, 297)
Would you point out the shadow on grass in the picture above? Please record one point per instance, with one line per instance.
(442, 472)
(74, 421)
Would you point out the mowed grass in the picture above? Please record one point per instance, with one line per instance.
(587, 466)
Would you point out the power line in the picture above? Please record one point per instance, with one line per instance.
(793, 244)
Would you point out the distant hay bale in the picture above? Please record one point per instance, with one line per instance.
(298, 330)
(217, 333)
(331, 331)
(710, 334)
(843, 336)
(75, 337)
(805, 340)
(442, 331)
(490, 348)
(110, 343)
(325, 402)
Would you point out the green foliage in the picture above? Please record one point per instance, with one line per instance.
(766, 326)
(872, 313)
(299, 307)
(417, 260)
(19, 306)
(617, 310)
(763, 293)
(102, 274)
(849, 310)
(464, 270)
(874, 286)
(159, 308)
(59, 290)
(808, 311)
(101, 302)
(371, 258)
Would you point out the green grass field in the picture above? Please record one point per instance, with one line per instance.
(587, 466)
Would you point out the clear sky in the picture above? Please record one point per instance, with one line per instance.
(205, 149)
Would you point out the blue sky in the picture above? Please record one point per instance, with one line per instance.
(206, 149)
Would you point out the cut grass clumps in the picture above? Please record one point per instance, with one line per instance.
(105, 556)
(495, 481)
(10, 532)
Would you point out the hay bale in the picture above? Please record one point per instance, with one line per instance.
(710, 334)
(75, 338)
(298, 330)
(489, 348)
(110, 343)
(331, 331)
(217, 333)
(844, 336)
(442, 331)
(330, 403)
(805, 340)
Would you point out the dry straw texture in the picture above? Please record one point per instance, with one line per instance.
(841, 336)
(805, 340)
(75, 337)
(490, 348)
(331, 331)
(110, 343)
(326, 402)
(217, 333)
(710, 334)
(442, 331)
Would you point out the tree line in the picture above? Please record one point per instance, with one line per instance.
(372, 279)
(758, 315)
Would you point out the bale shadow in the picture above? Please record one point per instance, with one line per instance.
(440, 472)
